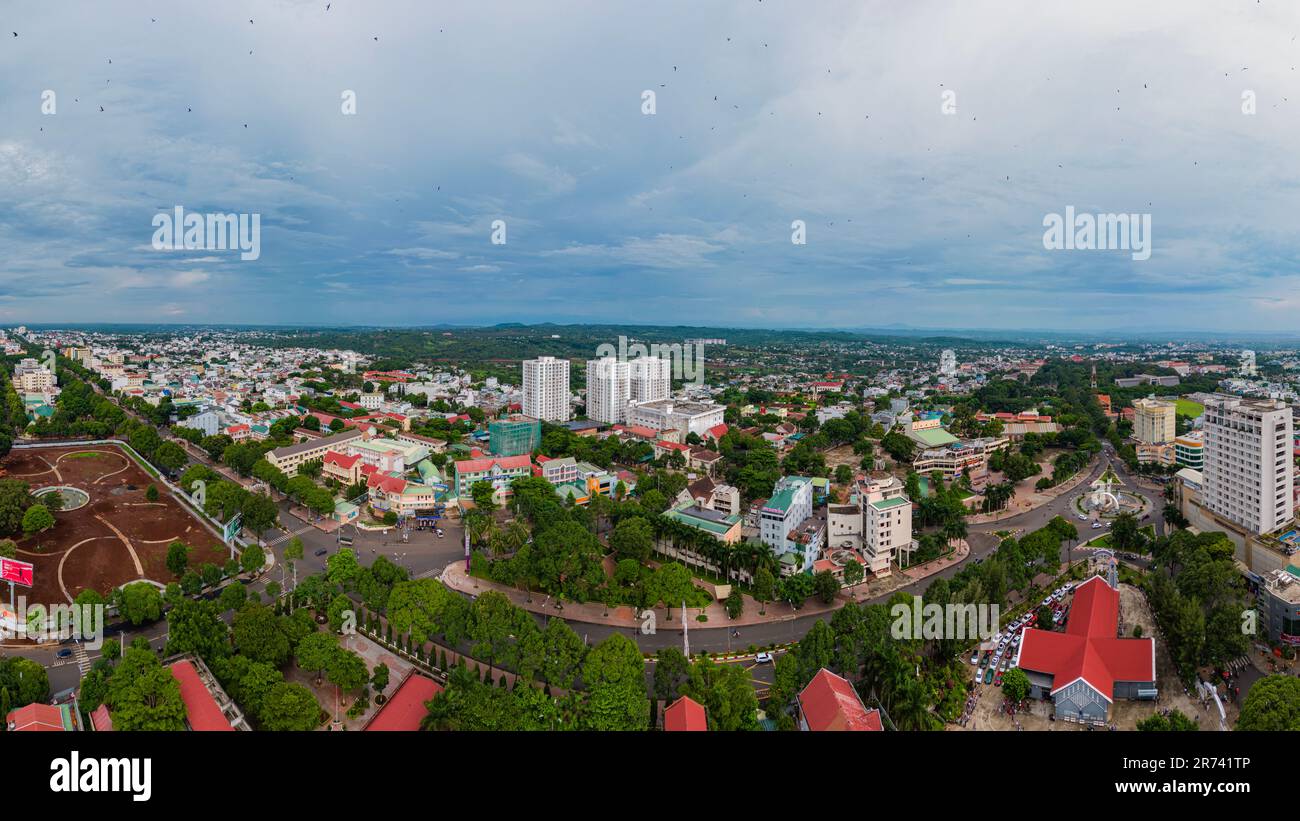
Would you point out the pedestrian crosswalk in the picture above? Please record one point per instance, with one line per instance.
(284, 537)
(82, 658)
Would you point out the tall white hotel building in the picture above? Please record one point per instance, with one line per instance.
(546, 389)
(1248, 466)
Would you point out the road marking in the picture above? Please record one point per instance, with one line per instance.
(284, 537)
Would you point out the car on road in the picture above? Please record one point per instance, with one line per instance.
(321, 552)
(64, 653)
(1083, 518)
(763, 658)
(1096, 525)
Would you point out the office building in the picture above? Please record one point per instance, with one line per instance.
(1153, 421)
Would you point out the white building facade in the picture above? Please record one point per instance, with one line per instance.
(1248, 469)
(607, 390)
(546, 389)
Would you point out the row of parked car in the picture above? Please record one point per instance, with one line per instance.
(993, 663)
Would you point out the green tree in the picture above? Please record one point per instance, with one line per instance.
(36, 519)
(258, 635)
(290, 707)
(144, 695)
(178, 558)
(614, 676)
(825, 585)
(1015, 684)
(1273, 704)
(140, 603)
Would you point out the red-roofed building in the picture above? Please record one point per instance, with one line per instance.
(405, 708)
(100, 720)
(685, 715)
(40, 718)
(717, 432)
(829, 703)
(499, 470)
(1087, 667)
(202, 711)
(346, 469)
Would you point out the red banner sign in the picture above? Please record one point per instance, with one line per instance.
(12, 570)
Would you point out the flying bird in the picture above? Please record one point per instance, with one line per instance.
(101, 108)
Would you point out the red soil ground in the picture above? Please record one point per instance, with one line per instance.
(82, 550)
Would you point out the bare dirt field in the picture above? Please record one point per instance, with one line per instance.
(117, 538)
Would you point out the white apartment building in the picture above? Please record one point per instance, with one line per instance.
(947, 363)
(650, 379)
(886, 523)
(779, 522)
(1153, 421)
(31, 376)
(607, 389)
(683, 417)
(371, 401)
(1248, 469)
(546, 389)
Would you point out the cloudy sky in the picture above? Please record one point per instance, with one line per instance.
(766, 112)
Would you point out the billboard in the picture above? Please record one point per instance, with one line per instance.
(231, 528)
(12, 570)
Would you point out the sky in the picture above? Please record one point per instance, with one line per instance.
(765, 113)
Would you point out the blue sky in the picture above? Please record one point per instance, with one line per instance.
(827, 112)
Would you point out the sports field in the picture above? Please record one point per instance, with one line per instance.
(1187, 407)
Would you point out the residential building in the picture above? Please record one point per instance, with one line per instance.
(607, 390)
(721, 526)
(1162, 454)
(32, 377)
(948, 363)
(886, 523)
(650, 379)
(546, 389)
(782, 524)
(1249, 470)
(1153, 421)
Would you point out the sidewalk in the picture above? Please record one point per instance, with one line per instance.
(457, 579)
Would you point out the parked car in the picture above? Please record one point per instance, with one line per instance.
(988, 676)
(975, 657)
(997, 679)
(763, 658)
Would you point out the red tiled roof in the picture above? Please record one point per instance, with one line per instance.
(718, 431)
(829, 702)
(642, 431)
(101, 720)
(1089, 648)
(672, 446)
(685, 715)
(504, 462)
(406, 707)
(345, 462)
(45, 718)
(200, 707)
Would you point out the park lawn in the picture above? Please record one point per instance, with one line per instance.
(1101, 541)
(1186, 407)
